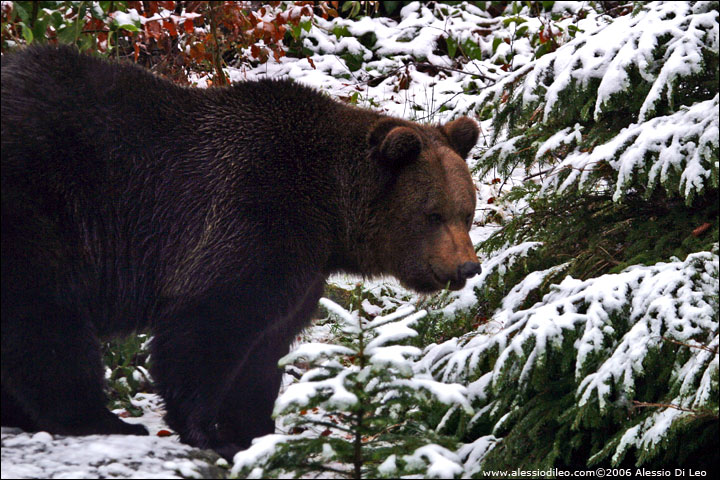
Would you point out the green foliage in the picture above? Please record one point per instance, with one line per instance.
(127, 367)
(468, 48)
(597, 235)
(613, 376)
(592, 174)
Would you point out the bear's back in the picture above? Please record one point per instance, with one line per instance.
(130, 188)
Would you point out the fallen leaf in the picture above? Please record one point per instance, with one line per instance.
(701, 229)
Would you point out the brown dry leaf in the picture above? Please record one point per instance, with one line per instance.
(701, 229)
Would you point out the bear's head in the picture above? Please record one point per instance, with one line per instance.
(428, 207)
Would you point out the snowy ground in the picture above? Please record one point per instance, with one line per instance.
(42, 455)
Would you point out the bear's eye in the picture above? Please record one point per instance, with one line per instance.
(435, 219)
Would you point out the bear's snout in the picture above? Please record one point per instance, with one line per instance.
(468, 270)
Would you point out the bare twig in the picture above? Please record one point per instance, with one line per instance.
(612, 259)
(696, 413)
(690, 345)
(216, 57)
(538, 174)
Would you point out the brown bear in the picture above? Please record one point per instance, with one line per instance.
(212, 217)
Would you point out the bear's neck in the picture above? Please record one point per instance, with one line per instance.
(361, 182)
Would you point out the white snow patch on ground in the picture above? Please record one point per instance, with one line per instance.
(42, 455)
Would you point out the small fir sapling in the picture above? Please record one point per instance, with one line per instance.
(357, 410)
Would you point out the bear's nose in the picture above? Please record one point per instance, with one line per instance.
(468, 270)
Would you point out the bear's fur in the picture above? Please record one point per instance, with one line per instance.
(211, 216)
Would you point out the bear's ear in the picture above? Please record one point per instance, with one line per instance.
(396, 144)
(463, 134)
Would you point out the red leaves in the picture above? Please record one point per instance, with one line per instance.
(188, 25)
(171, 29)
(93, 24)
(403, 81)
(544, 36)
(153, 30)
(255, 50)
(164, 433)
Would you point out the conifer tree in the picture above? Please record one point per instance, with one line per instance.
(359, 410)
(603, 348)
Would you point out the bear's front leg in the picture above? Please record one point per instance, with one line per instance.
(247, 403)
(194, 352)
(215, 364)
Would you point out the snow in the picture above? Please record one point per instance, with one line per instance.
(447, 393)
(42, 455)
(435, 461)
(667, 43)
(566, 136)
(390, 331)
(131, 17)
(398, 46)
(303, 392)
(500, 263)
(473, 452)
(328, 378)
(260, 449)
(629, 41)
(350, 321)
(683, 143)
(311, 352)
(667, 302)
(388, 466)
(658, 306)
